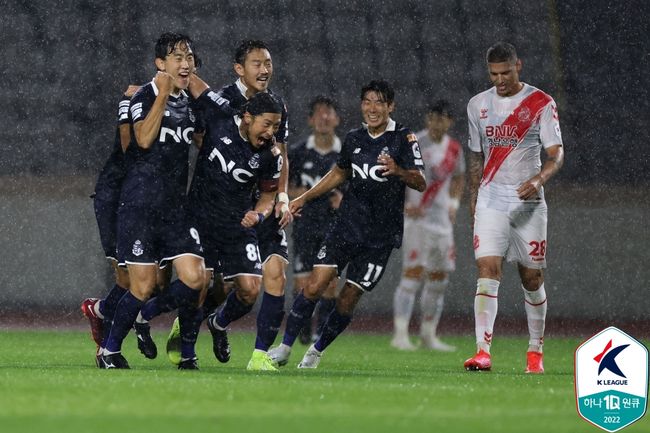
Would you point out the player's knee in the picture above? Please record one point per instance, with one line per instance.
(414, 273)
(409, 285)
(249, 292)
(532, 280)
(489, 269)
(348, 299)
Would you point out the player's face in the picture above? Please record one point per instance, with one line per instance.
(324, 120)
(438, 125)
(505, 77)
(376, 111)
(261, 128)
(179, 63)
(256, 71)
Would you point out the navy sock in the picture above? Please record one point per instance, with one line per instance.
(189, 319)
(300, 313)
(163, 303)
(107, 308)
(336, 323)
(125, 314)
(269, 319)
(232, 310)
(210, 304)
(325, 307)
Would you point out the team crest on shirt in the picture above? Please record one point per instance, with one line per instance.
(322, 253)
(138, 249)
(357, 150)
(484, 112)
(254, 162)
(524, 114)
(191, 115)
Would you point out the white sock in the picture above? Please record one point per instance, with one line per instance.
(485, 311)
(535, 303)
(403, 301)
(96, 310)
(431, 304)
(139, 319)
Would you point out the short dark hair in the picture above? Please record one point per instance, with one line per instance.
(246, 46)
(381, 87)
(501, 52)
(263, 102)
(441, 107)
(322, 100)
(169, 40)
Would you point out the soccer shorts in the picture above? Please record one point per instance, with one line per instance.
(148, 236)
(272, 241)
(432, 250)
(517, 235)
(232, 251)
(106, 216)
(366, 265)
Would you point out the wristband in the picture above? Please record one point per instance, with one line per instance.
(454, 203)
(283, 197)
(260, 217)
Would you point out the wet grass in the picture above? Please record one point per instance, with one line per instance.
(48, 383)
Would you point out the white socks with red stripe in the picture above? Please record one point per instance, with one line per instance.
(536, 314)
(485, 311)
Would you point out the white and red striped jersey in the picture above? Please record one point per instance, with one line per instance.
(442, 161)
(511, 131)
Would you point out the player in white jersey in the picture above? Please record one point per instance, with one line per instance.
(509, 124)
(428, 249)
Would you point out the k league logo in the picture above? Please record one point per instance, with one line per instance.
(611, 379)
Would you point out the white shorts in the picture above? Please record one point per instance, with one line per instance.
(519, 236)
(434, 251)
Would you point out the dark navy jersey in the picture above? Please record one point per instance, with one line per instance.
(228, 169)
(109, 181)
(372, 209)
(234, 96)
(158, 175)
(308, 166)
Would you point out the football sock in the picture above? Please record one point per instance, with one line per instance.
(107, 308)
(189, 320)
(269, 319)
(325, 307)
(432, 301)
(163, 303)
(232, 310)
(301, 311)
(403, 300)
(535, 304)
(210, 304)
(336, 323)
(485, 311)
(125, 314)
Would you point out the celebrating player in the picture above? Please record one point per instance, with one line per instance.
(508, 126)
(428, 252)
(380, 160)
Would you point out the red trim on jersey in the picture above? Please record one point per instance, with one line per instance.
(441, 173)
(534, 103)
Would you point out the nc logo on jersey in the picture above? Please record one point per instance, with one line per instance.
(138, 249)
(611, 379)
(365, 172)
(184, 134)
(239, 174)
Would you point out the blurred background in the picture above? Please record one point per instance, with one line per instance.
(66, 63)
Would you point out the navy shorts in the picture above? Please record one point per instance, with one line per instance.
(233, 251)
(272, 240)
(366, 265)
(147, 236)
(106, 216)
(305, 249)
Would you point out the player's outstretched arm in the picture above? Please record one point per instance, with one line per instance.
(335, 177)
(554, 160)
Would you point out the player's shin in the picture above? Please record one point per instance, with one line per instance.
(269, 319)
(301, 311)
(335, 325)
(535, 304)
(485, 311)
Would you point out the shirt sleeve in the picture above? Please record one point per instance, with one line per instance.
(214, 104)
(410, 155)
(473, 128)
(141, 104)
(123, 110)
(344, 161)
(270, 175)
(549, 126)
(283, 132)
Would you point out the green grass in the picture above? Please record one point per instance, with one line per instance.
(48, 383)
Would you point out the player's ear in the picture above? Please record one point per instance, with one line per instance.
(518, 65)
(391, 107)
(239, 69)
(160, 64)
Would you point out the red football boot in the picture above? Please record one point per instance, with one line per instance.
(96, 323)
(479, 362)
(535, 362)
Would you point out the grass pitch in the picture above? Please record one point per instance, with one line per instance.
(48, 383)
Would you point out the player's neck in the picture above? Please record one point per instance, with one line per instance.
(324, 141)
(376, 132)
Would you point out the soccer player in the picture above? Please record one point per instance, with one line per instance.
(509, 124)
(380, 160)
(428, 251)
(238, 157)
(153, 228)
(312, 159)
(106, 202)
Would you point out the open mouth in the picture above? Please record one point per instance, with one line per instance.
(263, 80)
